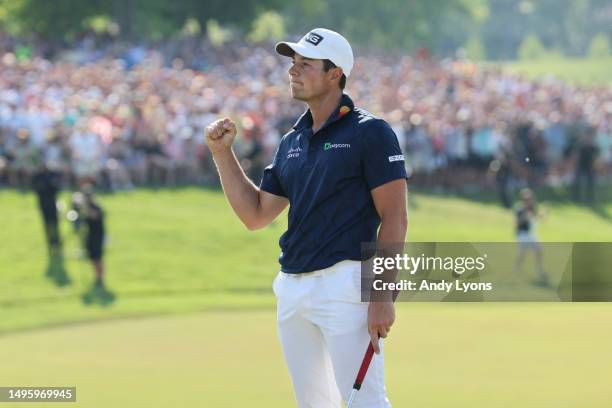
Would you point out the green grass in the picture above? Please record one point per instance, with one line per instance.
(193, 323)
(439, 355)
(167, 252)
(584, 71)
(174, 251)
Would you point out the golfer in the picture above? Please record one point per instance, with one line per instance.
(341, 171)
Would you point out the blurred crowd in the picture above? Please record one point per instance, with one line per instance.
(124, 115)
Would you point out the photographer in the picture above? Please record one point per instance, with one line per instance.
(93, 216)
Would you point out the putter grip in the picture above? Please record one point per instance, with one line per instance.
(364, 367)
(367, 358)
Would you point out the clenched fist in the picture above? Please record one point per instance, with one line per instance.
(220, 135)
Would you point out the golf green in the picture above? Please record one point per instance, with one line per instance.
(438, 355)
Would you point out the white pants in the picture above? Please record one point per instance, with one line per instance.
(322, 326)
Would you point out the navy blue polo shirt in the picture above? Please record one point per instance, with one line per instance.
(327, 178)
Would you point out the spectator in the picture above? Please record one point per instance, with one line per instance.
(126, 115)
(46, 184)
(86, 152)
(586, 152)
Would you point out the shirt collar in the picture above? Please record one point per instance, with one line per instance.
(345, 106)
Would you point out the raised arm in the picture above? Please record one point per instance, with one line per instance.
(255, 208)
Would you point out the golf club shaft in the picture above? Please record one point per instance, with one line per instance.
(351, 398)
(367, 358)
(363, 369)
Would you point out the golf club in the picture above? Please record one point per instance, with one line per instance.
(363, 369)
(367, 358)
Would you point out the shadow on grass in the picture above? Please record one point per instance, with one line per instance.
(601, 211)
(98, 295)
(56, 271)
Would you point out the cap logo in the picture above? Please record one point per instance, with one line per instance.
(313, 38)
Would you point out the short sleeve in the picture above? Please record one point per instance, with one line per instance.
(270, 182)
(382, 157)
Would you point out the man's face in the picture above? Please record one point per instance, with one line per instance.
(308, 80)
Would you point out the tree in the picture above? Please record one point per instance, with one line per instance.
(217, 34)
(268, 26)
(54, 20)
(61, 19)
(474, 49)
(600, 46)
(531, 48)
(389, 24)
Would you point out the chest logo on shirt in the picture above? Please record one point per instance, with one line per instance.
(329, 146)
(294, 152)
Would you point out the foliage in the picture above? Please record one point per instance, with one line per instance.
(567, 25)
(216, 34)
(269, 25)
(531, 48)
(191, 28)
(474, 49)
(501, 26)
(600, 46)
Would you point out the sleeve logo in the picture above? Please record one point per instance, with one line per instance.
(399, 157)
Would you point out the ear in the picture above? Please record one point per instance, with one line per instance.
(336, 73)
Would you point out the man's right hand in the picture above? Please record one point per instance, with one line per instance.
(255, 208)
(220, 135)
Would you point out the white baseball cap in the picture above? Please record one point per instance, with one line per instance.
(321, 43)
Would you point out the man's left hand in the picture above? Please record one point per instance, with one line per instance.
(381, 316)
